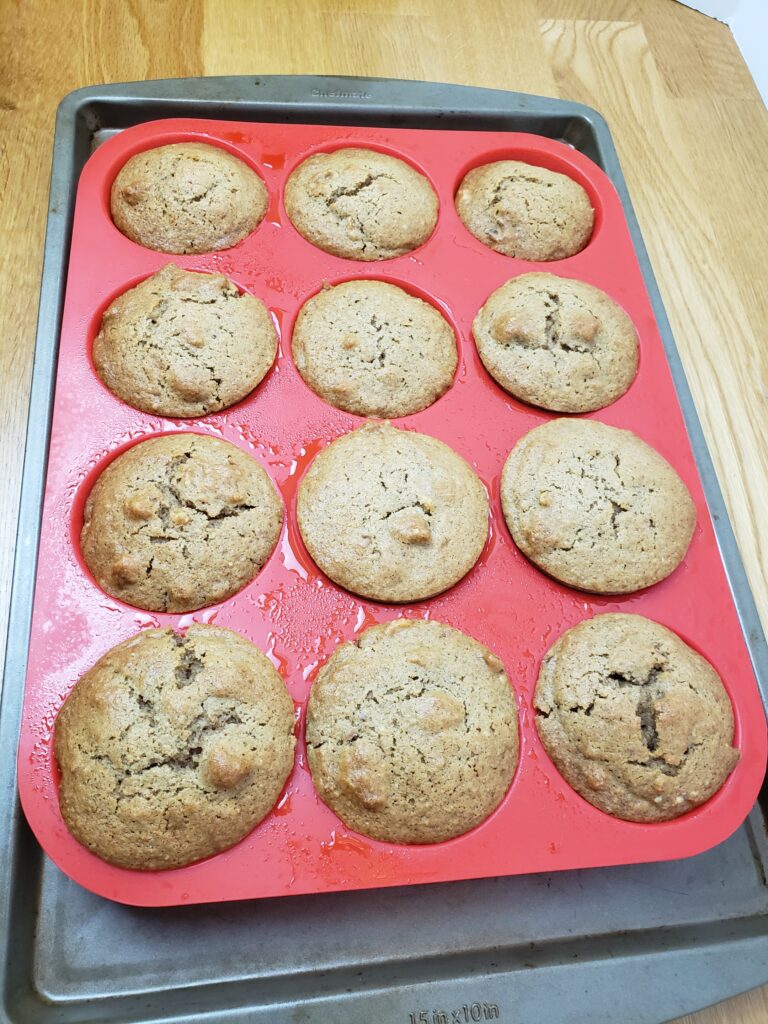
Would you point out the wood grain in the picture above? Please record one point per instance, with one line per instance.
(691, 132)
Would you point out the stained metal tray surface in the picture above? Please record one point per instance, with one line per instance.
(638, 944)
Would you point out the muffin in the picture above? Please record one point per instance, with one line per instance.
(596, 507)
(527, 212)
(173, 747)
(412, 732)
(557, 343)
(179, 522)
(370, 348)
(636, 721)
(187, 197)
(184, 344)
(361, 204)
(391, 514)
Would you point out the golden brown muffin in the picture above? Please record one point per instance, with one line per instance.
(527, 212)
(635, 720)
(172, 748)
(412, 732)
(557, 343)
(391, 514)
(179, 522)
(361, 204)
(187, 197)
(184, 344)
(371, 348)
(596, 507)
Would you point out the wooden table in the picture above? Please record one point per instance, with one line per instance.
(691, 131)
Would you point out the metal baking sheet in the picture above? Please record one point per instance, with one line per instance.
(663, 939)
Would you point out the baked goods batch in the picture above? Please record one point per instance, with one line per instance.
(176, 744)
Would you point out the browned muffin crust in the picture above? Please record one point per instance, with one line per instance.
(173, 747)
(184, 344)
(412, 732)
(635, 720)
(179, 522)
(187, 197)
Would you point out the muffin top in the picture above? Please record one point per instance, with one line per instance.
(179, 522)
(173, 747)
(635, 720)
(557, 343)
(412, 732)
(184, 344)
(187, 197)
(596, 507)
(391, 514)
(527, 212)
(361, 204)
(371, 348)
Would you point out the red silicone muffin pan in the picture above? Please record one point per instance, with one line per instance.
(291, 610)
